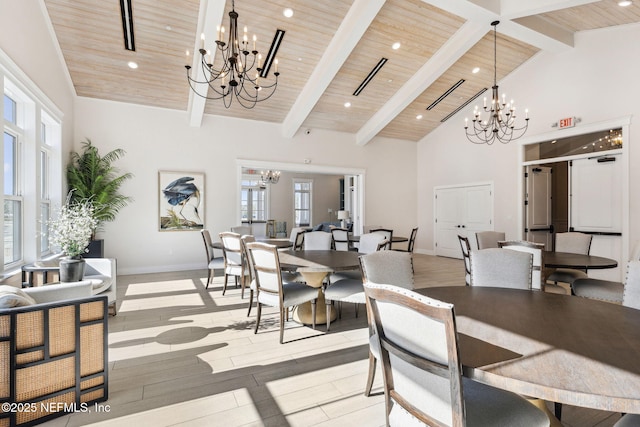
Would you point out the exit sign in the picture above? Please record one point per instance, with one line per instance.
(568, 122)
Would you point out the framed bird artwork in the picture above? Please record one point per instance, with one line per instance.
(181, 201)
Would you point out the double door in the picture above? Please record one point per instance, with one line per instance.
(461, 211)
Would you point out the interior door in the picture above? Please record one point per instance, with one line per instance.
(461, 211)
(596, 208)
(538, 205)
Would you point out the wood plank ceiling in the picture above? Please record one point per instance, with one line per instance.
(328, 49)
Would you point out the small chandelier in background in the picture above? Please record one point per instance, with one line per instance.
(240, 76)
(500, 125)
(270, 177)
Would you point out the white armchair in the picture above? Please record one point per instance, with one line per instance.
(101, 272)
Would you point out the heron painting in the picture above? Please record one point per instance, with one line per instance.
(181, 201)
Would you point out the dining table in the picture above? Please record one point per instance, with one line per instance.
(582, 262)
(314, 266)
(558, 348)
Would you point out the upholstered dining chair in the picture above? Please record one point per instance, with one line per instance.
(271, 290)
(423, 382)
(489, 239)
(340, 238)
(316, 240)
(212, 261)
(575, 243)
(466, 250)
(502, 269)
(296, 237)
(234, 264)
(369, 242)
(387, 233)
(604, 290)
(390, 267)
(628, 420)
(244, 240)
(535, 249)
(411, 243)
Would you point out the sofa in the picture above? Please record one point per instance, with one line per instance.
(53, 351)
(101, 272)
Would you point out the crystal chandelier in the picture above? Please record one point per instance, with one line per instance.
(500, 124)
(270, 177)
(241, 74)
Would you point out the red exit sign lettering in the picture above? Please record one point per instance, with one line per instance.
(568, 122)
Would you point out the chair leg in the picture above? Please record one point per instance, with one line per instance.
(313, 314)
(557, 408)
(357, 305)
(282, 310)
(372, 372)
(259, 308)
(242, 283)
(250, 302)
(209, 277)
(328, 307)
(224, 287)
(235, 278)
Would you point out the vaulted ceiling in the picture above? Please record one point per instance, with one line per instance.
(328, 49)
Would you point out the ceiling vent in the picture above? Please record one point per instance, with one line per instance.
(444, 95)
(127, 24)
(371, 74)
(273, 50)
(467, 102)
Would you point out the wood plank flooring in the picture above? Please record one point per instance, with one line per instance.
(183, 355)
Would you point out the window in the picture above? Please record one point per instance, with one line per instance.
(253, 200)
(302, 193)
(12, 200)
(32, 167)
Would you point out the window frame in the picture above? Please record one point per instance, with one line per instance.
(309, 209)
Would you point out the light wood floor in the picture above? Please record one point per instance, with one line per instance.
(181, 355)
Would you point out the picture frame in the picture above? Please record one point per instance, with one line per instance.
(181, 197)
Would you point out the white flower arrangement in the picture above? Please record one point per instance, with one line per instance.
(73, 228)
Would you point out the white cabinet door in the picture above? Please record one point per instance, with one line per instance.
(461, 211)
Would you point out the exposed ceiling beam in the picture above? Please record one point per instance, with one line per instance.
(511, 9)
(210, 16)
(463, 40)
(351, 30)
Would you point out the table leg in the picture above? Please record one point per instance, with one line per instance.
(302, 313)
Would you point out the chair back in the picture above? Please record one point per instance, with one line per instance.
(501, 269)
(369, 242)
(535, 249)
(368, 228)
(573, 242)
(466, 249)
(412, 240)
(317, 240)
(388, 234)
(244, 240)
(489, 239)
(266, 266)
(242, 229)
(631, 295)
(258, 229)
(388, 267)
(206, 237)
(419, 353)
(231, 249)
(340, 239)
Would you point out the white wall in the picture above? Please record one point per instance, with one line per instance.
(157, 139)
(37, 55)
(595, 81)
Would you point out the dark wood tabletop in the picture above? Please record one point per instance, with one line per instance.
(554, 347)
(577, 261)
(327, 260)
(394, 239)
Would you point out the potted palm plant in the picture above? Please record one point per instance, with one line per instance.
(93, 177)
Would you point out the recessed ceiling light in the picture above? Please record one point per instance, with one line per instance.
(395, 46)
(625, 3)
(347, 104)
(132, 64)
(419, 116)
(167, 27)
(288, 12)
(475, 70)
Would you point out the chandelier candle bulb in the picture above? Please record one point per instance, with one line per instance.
(254, 43)
(202, 41)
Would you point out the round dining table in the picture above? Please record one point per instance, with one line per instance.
(559, 348)
(314, 266)
(578, 261)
